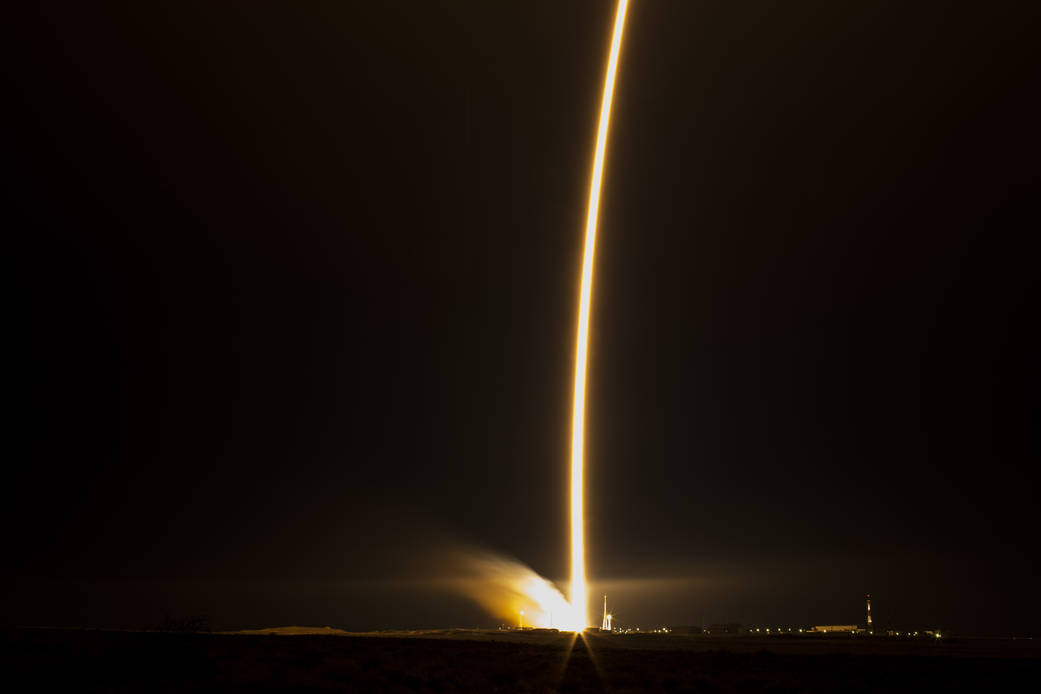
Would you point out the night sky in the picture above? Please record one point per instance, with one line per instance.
(294, 289)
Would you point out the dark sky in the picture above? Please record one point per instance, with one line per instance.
(294, 287)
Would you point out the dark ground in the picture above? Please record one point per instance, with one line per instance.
(81, 660)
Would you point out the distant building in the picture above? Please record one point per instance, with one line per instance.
(729, 628)
(848, 628)
(685, 630)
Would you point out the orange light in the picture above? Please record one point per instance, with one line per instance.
(578, 562)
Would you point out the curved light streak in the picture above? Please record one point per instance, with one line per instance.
(578, 596)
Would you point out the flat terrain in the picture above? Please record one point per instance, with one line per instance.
(296, 659)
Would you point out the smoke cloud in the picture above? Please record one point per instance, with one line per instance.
(505, 587)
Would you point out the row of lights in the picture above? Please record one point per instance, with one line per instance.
(780, 630)
(630, 630)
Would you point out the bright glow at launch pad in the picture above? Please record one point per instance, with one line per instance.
(578, 562)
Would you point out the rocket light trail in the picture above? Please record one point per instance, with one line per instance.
(578, 563)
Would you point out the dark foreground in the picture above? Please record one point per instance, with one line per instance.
(463, 661)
